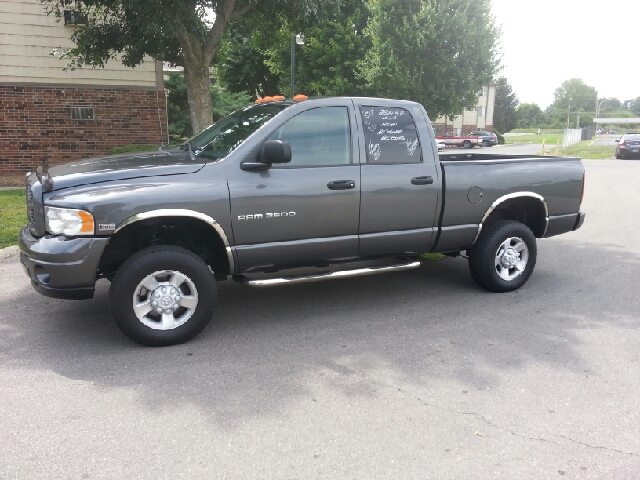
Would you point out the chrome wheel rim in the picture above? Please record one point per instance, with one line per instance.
(165, 300)
(511, 258)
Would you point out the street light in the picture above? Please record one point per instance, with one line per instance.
(598, 111)
(600, 105)
(297, 39)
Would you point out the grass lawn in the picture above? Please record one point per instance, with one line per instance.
(13, 216)
(584, 150)
(550, 139)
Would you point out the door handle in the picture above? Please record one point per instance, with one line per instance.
(341, 185)
(421, 180)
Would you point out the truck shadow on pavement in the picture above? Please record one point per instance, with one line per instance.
(352, 336)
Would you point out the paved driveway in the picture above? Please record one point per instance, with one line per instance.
(417, 374)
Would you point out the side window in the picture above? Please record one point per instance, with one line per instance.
(319, 137)
(390, 135)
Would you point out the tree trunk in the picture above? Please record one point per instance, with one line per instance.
(200, 107)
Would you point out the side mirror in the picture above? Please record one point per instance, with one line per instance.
(275, 151)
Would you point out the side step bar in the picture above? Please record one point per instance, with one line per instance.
(268, 282)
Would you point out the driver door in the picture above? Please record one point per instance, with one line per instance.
(306, 212)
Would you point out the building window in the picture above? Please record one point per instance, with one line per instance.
(82, 113)
(481, 111)
(74, 17)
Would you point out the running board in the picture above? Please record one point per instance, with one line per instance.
(268, 282)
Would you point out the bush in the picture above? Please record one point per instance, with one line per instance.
(133, 148)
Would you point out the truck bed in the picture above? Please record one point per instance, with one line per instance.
(473, 184)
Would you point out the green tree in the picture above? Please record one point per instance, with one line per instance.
(633, 105)
(185, 33)
(325, 64)
(242, 60)
(436, 52)
(609, 104)
(178, 105)
(504, 113)
(529, 115)
(573, 99)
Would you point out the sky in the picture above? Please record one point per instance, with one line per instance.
(545, 42)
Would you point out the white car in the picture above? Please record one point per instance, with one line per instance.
(441, 145)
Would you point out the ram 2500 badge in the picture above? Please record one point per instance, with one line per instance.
(283, 185)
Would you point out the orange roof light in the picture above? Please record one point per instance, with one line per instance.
(299, 97)
(275, 98)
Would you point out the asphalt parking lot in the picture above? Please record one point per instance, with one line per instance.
(417, 374)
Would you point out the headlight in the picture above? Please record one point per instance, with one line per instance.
(67, 221)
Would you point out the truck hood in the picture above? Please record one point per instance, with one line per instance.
(122, 167)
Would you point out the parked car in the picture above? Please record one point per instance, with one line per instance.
(628, 145)
(286, 185)
(441, 145)
(488, 139)
(464, 141)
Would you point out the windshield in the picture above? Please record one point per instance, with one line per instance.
(225, 135)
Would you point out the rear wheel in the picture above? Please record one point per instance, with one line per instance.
(486, 143)
(162, 295)
(504, 256)
(466, 144)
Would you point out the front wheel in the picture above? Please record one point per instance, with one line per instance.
(504, 256)
(162, 295)
(466, 144)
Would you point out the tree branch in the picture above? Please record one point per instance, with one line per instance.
(223, 17)
(242, 11)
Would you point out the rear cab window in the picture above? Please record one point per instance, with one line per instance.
(390, 135)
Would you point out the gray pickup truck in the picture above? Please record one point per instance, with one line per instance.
(286, 185)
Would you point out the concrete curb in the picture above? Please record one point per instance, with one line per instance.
(9, 251)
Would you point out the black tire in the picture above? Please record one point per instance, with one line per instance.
(160, 265)
(486, 144)
(485, 254)
(618, 156)
(466, 144)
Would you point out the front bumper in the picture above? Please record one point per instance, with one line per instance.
(61, 267)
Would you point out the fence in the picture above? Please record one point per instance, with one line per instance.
(574, 135)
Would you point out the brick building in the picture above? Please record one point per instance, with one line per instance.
(48, 114)
(481, 118)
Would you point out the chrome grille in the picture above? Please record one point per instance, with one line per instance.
(31, 214)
